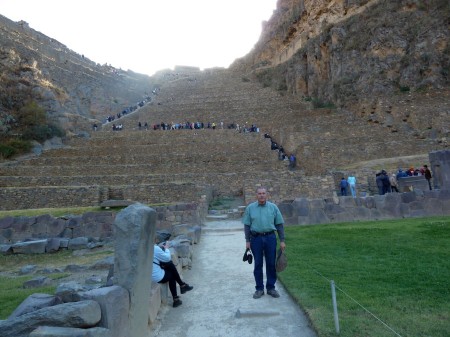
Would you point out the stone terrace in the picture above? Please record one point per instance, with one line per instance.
(154, 166)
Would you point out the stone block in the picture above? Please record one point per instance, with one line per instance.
(64, 243)
(76, 314)
(301, 207)
(78, 243)
(6, 249)
(369, 202)
(445, 207)
(36, 282)
(318, 216)
(444, 194)
(341, 217)
(316, 203)
(180, 229)
(360, 213)
(286, 209)
(35, 302)
(6, 235)
(332, 209)
(56, 227)
(6, 222)
(30, 247)
(155, 302)
(408, 197)
(347, 201)
(433, 207)
(114, 306)
(53, 245)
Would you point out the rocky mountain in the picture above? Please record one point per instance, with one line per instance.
(74, 90)
(385, 62)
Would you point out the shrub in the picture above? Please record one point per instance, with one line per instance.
(7, 151)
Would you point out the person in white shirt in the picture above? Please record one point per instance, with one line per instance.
(165, 271)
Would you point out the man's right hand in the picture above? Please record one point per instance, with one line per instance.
(247, 245)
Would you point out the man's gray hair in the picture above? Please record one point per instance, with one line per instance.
(261, 188)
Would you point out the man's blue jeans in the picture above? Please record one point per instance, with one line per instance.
(264, 247)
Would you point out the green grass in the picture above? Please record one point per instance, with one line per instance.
(13, 263)
(56, 212)
(399, 270)
(12, 292)
(52, 211)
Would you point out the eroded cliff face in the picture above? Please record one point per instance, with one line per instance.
(385, 61)
(345, 51)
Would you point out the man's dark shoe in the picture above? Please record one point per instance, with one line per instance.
(177, 302)
(258, 293)
(273, 293)
(185, 287)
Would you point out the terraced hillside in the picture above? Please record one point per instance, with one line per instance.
(155, 166)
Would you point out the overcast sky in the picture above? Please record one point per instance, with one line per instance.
(146, 36)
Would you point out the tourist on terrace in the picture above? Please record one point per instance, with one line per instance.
(352, 183)
(343, 184)
(427, 174)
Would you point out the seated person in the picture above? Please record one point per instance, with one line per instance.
(165, 271)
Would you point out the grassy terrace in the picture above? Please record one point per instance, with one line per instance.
(396, 270)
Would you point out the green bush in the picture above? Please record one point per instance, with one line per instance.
(12, 147)
(7, 151)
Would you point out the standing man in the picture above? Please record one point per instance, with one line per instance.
(261, 219)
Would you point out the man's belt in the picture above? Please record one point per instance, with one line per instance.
(255, 234)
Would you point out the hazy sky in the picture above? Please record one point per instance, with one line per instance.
(146, 36)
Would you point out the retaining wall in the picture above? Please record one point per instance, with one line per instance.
(418, 203)
(93, 224)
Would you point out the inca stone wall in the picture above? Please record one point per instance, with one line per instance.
(96, 225)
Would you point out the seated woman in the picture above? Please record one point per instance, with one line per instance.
(165, 271)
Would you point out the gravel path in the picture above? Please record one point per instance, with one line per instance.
(221, 303)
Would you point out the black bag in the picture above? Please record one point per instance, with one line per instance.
(248, 256)
(164, 265)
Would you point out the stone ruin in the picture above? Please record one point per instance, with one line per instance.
(116, 309)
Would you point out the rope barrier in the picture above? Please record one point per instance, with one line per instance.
(351, 298)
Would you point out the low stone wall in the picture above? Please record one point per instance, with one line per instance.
(418, 203)
(93, 224)
(84, 196)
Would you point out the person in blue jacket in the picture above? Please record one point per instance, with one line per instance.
(343, 184)
(165, 271)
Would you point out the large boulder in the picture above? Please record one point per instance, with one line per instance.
(83, 314)
(35, 302)
(114, 303)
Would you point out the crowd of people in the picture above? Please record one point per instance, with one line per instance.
(386, 183)
(201, 125)
(282, 155)
(130, 109)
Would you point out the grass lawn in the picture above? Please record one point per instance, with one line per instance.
(12, 292)
(399, 270)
